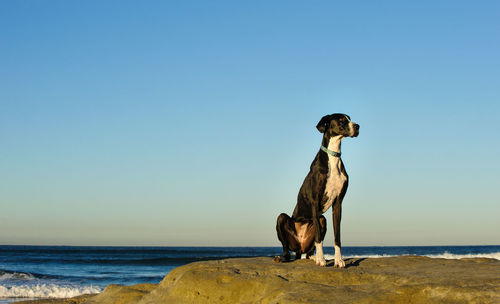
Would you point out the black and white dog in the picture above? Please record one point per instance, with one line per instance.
(325, 185)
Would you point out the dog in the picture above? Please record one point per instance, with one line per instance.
(325, 185)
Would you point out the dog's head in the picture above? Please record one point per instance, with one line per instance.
(338, 124)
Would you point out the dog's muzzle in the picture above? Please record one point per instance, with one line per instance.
(355, 130)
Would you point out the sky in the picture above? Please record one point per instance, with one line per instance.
(192, 123)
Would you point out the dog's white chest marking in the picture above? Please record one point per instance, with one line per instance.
(335, 179)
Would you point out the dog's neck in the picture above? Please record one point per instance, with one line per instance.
(332, 143)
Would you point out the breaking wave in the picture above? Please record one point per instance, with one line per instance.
(46, 291)
(447, 255)
(444, 255)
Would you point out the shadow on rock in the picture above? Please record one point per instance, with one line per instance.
(353, 262)
(348, 262)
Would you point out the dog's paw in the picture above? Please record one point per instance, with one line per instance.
(339, 262)
(281, 259)
(320, 261)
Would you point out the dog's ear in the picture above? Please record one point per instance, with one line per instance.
(323, 123)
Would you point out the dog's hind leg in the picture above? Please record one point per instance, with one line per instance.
(310, 253)
(281, 223)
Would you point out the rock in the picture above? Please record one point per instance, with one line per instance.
(406, 279)
(119, 294)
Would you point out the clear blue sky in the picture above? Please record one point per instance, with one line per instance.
(193, 122)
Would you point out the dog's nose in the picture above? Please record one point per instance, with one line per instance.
(356, 127)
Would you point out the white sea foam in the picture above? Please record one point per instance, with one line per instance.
(445, 255)
(46, 291)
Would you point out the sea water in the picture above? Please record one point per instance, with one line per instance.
(31, 272)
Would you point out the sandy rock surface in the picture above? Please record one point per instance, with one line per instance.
(260, 280)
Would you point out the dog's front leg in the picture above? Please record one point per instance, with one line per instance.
(337, 214)
(318, 241)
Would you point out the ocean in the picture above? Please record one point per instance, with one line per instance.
(31, 272)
